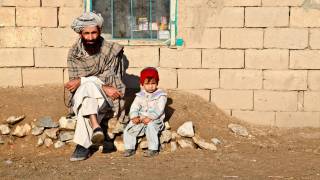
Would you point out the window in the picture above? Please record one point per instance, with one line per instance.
(137, 19)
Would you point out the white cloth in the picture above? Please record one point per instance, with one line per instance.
(87, 19)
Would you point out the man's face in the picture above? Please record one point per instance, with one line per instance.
(90, 35)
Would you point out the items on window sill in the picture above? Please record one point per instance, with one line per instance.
(163, 23)
(163, 34)
(143, 23)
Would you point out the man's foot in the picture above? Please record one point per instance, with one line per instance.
(80, 153)
(119, 128)
(129, 152)
(97, 136)
(150, 153)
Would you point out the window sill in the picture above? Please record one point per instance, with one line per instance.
(140, 42)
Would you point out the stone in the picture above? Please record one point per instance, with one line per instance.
(112, 123)
(118, 143)
(47, 122)
(203, 144)
(186, 129)
(215, 141)
(48, 142)
(167, 125)
(4, 129)
(37, 130)
(40, 141)
(66, 135)
(52, 133)
(165, 136)
(67, 123)
(186, 143)
(15, 119)
(175, 136)
(238, 130)
(111, 135)
(1, 140)
(173, 146)
(8, 162)
(59, 144)
(143, 144)
(21, 131)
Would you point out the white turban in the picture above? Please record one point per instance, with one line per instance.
(87, 19)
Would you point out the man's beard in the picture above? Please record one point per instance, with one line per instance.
(90, 43)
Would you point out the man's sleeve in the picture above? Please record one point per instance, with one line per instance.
(72, 68)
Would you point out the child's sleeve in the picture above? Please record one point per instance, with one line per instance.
(135, 108)
(158, 110)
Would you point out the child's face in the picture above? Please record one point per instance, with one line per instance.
(150, 85)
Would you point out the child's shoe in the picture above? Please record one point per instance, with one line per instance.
(150, 153)
(129, 152)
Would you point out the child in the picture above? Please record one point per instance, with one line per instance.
(146, 114)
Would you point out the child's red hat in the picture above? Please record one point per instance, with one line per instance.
(149, 72)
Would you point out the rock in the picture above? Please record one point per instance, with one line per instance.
(203, 144)
(68, 124)
(174, 146)
(52, 133)
(59, 144)
(186, 129)
(40, 141)
(112, 123)
(118, 143)
(15, 119)
(47, 122)
(8, 162)
(1, 140)
(215, 141)
(4, 129)
(167, 125)
(143, 145)
(22, 131)
(175, 136)
(238, 130)
(111, 135)
(66, 135)
(37, 130)
(165, 136)
(186, 143)
(48, 142)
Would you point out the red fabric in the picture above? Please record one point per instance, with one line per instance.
(149, 73)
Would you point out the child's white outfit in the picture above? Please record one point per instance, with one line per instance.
(149, 105)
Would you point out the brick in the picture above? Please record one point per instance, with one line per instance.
(7, 15)
(42, 17)
(267, 16)
(42, 76)
(256, 117)
(142, 56)
(305, 59)
(51, 57)
(314, 40)
(131, 78)
(267, 59)
(285, 80)
(10, 77)
(201, 37)
(65, 75)
(311, 101)
(282, 2)
(67, 15)
(300, 100)
(232, 99)
(287, 38)
(198, 78)
(275, 101)
(204, 94)
(313, 80)
(241, 38)
(222, 58)
(52, 37)
(297, 119)
(16, 57)
(240, 79)
(24, 3)
(20, 37)
(301, 17)
(62, 3)
(242, 2)
(184, 58)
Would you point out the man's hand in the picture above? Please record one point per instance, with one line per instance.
(73, 84)
(112, 92)
(136, 120)
(146, 121)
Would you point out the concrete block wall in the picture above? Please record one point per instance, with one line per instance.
(258, 60)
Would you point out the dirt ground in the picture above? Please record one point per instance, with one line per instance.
(269, 153)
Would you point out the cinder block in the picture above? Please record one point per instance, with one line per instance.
(304, 59)
(132, 78)
(287, 38)
(62, 3)
(20, 37)
(142, 56)
(232, 99)
(184, 58)
(7, 15)
(51, 57)
(297, 119)
(311, 101)
(240, 79)
(222, 58)
(16, 57)
(42, 76)
(198, 78)
(275, 101)
(314, 79)
(204, 94)
(267, 16)
(267, 59)
(67, 15)
(58, 37)
(282, 2)
(256, 117)
(24, 3)
(301, 17)
(241, 38)
(10, 77)
(242, 2)
(285, 80)
(65, 75)
(201, 37)
(314, 40)
(36, 16)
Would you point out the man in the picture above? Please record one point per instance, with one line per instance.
(95, 82)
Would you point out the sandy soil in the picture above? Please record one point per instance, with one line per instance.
(269, 153)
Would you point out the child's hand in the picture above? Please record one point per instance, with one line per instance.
(146, 120)
(136, 120)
